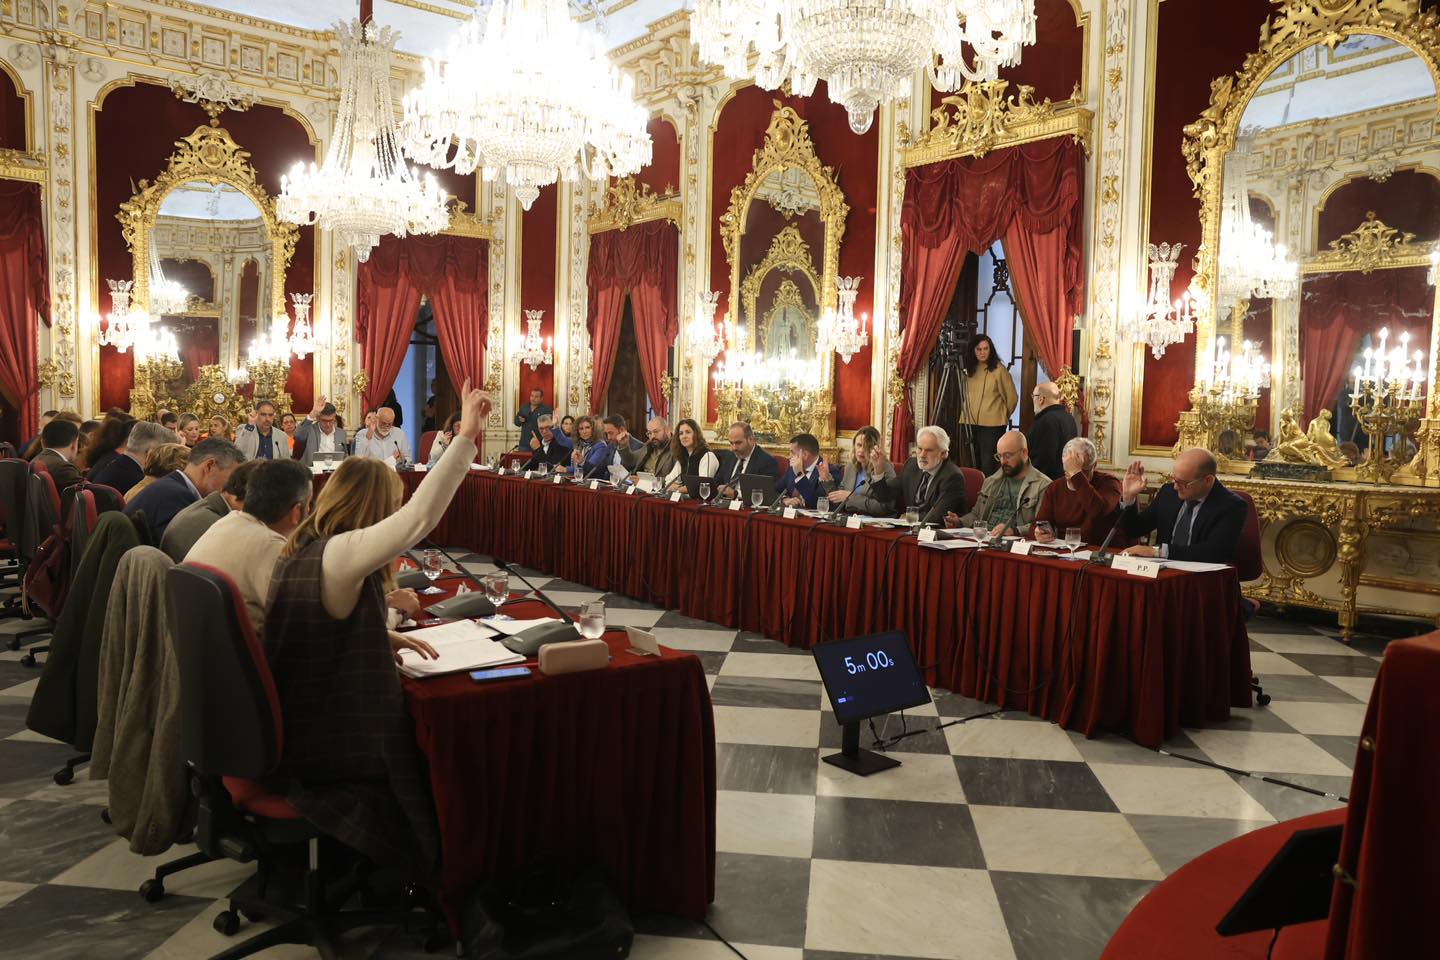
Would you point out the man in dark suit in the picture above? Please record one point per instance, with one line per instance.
(210, 464)
(617, 435)
(1052, 428)
(527, 418)
(548, 446)
(929, 482)
(746, 456)
(1194, 516)
(804, 481)
(59, 445)
(127, 469)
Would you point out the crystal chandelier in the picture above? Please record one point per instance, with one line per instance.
(1160, 322)
(271, 347)
(1251, 264)
(166, 296)
(123, 326)
(839, 329)
(526, 92)
(706, 336)
(536, 351)
(866, 51)
(364, 190)
(302, 339)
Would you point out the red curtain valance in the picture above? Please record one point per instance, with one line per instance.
(640, 262)
(455, 273)
(24, 297)
(1338, 309)
(1029, 197)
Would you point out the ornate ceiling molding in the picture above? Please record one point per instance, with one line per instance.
(465, 224)
(1369, 247)
(215, 94)
(17, 165)
(981, 118)
(627, 203)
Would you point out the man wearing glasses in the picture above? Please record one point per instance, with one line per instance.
(1193, 516)
(1011, 495)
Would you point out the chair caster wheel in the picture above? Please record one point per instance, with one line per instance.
(64, 775)
(28, 660)
(1263, 699)
(153, 890)
(226, 922)
(254, 916)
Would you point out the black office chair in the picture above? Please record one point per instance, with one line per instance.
(234, 735)
(41, 519)
(14, 477)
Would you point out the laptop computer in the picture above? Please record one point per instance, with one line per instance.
(751, 482)
(692, 487)
(648, 482)
(328, 461)
(617, 473)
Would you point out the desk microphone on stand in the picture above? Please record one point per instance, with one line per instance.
(528, 642)
(1101, 557)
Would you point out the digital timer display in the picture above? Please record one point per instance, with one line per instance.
(870, 676)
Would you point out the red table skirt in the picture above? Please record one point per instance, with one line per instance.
(1089, 648)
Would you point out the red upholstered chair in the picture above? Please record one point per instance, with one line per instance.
(235, 735)
(974, 479)
(427, 440)
(1249, 563)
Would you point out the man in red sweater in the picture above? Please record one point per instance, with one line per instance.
(1084, 498)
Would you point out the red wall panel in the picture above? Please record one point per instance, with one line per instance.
(739, 132)
(538, 248)
(13, 135)
(135, 133)
(663, 173)
(1196, 41)
(1055, 63)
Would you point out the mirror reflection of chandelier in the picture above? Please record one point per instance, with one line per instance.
(363, 190)
(535, 352)
(1161, 321)
(707, 337)
(840, 330)
(526, 92)
(166, 296)
(866, 51)
(302, 338)
(1251, 264)
(272, 346)
(123, 326)
(1235, 378)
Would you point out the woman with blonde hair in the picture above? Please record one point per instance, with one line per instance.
(219, 427)
(350, 764)
(188, 429)
(162, 460)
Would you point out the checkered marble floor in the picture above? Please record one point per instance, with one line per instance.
(1003, 837)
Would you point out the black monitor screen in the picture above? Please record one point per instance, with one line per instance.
(870, 676)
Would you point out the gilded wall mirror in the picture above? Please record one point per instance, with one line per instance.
(1318, 167)
(209, 255)
(782, 236)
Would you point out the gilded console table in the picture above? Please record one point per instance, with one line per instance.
(1348, 547)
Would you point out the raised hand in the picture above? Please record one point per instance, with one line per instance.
(474, 408)
(534, 443)
(1134, 482)
(877, 461)
(320, 402)
(824, 472)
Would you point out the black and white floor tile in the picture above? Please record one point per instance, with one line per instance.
(1003, 837)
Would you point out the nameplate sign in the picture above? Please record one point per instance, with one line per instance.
(735, 504)
(675, 497)
(557, 479)
(632, 490)
(926, 535)
(1022, 547)
(789, 513)
(853, 523)
(594, 484)
(529, 474)
(421, 467)
(1138, 566)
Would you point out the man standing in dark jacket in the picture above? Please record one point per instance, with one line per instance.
(1052, 428)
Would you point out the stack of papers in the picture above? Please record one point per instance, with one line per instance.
(950, 544)
(1193, 566)
(462, 645)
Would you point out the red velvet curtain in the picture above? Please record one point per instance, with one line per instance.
(24, 297)
(639, 262)
(1338, 309)
(1030, 197)
(455, 273)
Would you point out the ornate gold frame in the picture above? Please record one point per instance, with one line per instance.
(1369, 247)
(212, 155)
(789, 253)
(627, 203)
(980, 117)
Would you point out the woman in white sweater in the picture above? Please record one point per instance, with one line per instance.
(693, 458)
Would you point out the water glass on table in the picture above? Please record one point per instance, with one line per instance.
(1074, 539)
(912, 517)
(704, 492)
(432, 565)
(757, 498)
(497, 591)
(592, 620)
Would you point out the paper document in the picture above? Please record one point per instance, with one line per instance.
(1194, 566)
(462, 645)
(512, 627)
(950, 544)
(883, 522)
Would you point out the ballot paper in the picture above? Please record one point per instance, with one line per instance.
(512, 627)
(1193, 566)
(461, 645)
(949, 544)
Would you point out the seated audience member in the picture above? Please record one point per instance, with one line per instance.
(567, 427)
(658, 454)
(929, 482)
(548, 447)
(108, 443)
(35, 446)
(260, 438)
(162, 461)
(1010, 496)
(1351, 451)
(321, 432)
(747, 456)
(588, 447)
(168, 419)
(124, 471)
(59, 442)
(246, 542)
(191, 523)
(1052, 428)
(617, 438)
(855, 491)
(1084, 499)
(802, 482)
(88, 430)
(219, 428)
(1193, 516)
(443, 439)
(690, 455)
(30, 447)
(332, 656)
(382, 440)
(209, 466)
(188, 429)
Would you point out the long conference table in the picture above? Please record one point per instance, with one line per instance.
(1090, 648)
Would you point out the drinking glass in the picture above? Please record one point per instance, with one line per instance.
(757, 498)
(491, 460)
(497, 591)
(544, 468)
(705, 491)
(912, 517)
(822, 504)
(1045, 527)
(1074, 538)
(432, 564)
(592, 620)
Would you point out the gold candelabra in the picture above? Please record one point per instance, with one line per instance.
(153, 374)
(1225, 399)
(270, 378)
(1387, 399)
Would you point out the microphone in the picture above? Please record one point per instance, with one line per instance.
(537, 591)
(1101, 557)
